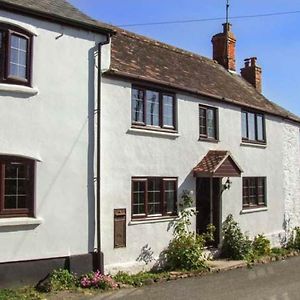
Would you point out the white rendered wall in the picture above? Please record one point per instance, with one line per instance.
(126, 154)
(291, 179)
(56, 126)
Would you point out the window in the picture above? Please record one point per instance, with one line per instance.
(154, 197)
(153, 108)
(208, 122)
(253, 127)
(254, 192)
(16, 187)
(15, 55)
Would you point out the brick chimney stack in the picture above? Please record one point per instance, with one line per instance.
(224, 47)
(252, 73)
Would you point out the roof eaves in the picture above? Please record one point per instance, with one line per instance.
(114, 72)
(55, 18)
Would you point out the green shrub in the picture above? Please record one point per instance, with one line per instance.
(294, 241)
(62, 280)
(235, 244)
(185, 252)
(138, 279)
(261, 246)
(279, 251)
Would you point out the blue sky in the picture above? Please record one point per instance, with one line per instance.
(274, 40)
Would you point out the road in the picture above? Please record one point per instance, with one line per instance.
(276, 281)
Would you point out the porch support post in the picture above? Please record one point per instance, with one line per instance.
(211, 200)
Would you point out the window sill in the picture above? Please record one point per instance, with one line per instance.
(9, 222)
(255, 145)
(20, 89)
(253, 210)
(153, 220)
(153, 132)
(208, 140)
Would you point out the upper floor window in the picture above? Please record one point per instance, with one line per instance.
(253, 127)
(16, 187)
(254, 192)
(15, 55)
(153, 108)
(154, 197)
(208, 119)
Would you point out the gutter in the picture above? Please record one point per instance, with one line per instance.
(56, 18)
(99, 258)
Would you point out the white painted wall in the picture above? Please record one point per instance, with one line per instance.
(291, 171)
(126, 153)
(56, 126)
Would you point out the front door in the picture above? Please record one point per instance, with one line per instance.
(208, 205)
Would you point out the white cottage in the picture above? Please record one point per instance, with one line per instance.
(93, 167)
(173, 121)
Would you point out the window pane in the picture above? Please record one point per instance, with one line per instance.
(168, 109)
(16, 185)
(152, 99)
(170, 196)
(260, 127)
(211, 132)
(203, 129)
(137, 106)
(245, 192)
(251, 126)
(244, 125)
(18, 57)
(154, 196)
(139, 188)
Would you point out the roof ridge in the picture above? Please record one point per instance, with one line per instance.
(163, 45)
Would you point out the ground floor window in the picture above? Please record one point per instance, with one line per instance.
(154, 196)
(16, 187)
(254, 192)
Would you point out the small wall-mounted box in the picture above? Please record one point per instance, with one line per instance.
(120, 228)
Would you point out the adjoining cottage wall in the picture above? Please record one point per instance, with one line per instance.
(127, 153)
(56, 128)
(291, 171)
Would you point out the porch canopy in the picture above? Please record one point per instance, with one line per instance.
(217, 164)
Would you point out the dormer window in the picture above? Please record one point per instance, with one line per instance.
(15, 55)
(253, 127)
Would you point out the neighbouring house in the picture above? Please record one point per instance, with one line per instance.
(48, 96)
(95, 164)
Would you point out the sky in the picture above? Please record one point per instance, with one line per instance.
(275, 40)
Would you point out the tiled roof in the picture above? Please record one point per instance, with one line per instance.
(55, 10)
(214, 161)
(138, 57)
(211, 161)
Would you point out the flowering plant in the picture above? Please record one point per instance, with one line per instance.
(97, 280)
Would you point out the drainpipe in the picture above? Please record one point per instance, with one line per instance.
(99, 262)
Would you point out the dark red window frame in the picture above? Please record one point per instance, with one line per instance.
(27, 211)
(161, 124)
(254, 192)
(162, 197)
(5, 55)
(203, 128)
(257, 115)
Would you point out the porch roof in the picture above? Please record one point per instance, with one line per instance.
(218, 163)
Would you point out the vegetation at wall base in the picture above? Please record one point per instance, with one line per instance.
(235, 245)
(27, 293)
(185, 250)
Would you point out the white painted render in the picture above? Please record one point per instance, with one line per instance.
(56, 127)
(127, 153)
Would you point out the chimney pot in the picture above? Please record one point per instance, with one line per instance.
(252, 73)
(224, 47)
